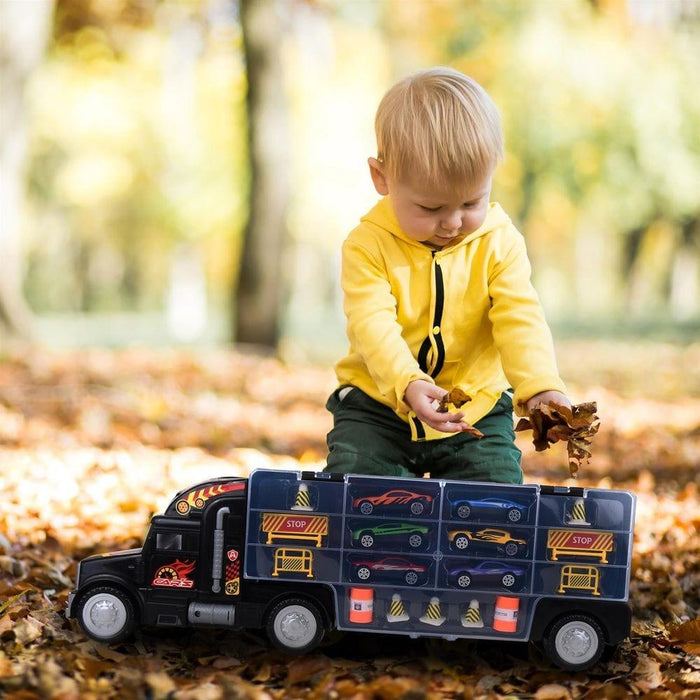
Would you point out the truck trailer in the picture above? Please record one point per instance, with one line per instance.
(300, 553)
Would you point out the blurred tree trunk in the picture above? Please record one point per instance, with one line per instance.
(24, 30)
(261, 290)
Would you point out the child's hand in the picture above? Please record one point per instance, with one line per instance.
(424, 398)
(545, 397)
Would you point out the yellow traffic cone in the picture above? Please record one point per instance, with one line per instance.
(302, 501)
(472, 616)
(578, 513)
(397, 612)
(433, 614)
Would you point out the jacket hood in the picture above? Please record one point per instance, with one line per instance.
(382, 215)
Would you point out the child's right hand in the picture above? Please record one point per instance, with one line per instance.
(424, 399)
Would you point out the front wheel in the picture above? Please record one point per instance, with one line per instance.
(295, 625)
(575, 642)
(107, 614)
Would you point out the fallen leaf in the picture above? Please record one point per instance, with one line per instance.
(551, 423)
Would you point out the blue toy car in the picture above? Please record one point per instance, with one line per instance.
(487, 573)
(496, 508)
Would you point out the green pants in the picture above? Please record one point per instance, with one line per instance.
(369, 438)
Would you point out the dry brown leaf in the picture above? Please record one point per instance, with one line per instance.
(457, 397)
(687, 631)
(551, 423)
(552, 691)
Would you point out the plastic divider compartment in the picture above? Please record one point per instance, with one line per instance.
(295, 528)
(581, 545)
(381, 497)
(581, 580)
(477, 539)
(281, 490)
(378, 569)
(493, 504)
(500, 576)
(292, 562)
(367, 534)
(442, 613)
(595, 508)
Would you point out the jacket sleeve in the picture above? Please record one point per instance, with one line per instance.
(372, 325)
(520, 330)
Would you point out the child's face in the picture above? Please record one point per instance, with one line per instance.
(432, 215)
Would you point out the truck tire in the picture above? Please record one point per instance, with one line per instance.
(107, 614)
(575, 642)
(295, 625)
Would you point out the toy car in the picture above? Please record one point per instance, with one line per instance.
(486, 573)
(486, 538)
(488, 507)
(413, 533)
(389, 568)
(396, 499)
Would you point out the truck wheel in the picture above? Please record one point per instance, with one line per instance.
(575, 642)
(295, 625)
(107, 614)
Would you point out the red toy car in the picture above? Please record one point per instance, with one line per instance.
(389, 568)
(395, 499)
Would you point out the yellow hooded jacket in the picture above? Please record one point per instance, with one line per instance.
(465, 316)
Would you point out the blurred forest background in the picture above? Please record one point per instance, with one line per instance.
(138, 205)
(179, 174)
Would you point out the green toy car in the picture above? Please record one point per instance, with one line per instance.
(369, 536)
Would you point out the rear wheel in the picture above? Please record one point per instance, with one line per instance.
(295, 625)
(575, 642)
(107, 614)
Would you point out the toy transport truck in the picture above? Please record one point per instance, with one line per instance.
(300, 553)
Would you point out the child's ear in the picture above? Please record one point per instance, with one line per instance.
(378, 178)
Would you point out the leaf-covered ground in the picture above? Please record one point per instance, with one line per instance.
(93, 443)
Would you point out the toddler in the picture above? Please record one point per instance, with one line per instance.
(437, 295)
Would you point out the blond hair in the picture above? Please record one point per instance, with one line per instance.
(440, 125)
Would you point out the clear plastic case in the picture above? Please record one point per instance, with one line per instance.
(448, 558)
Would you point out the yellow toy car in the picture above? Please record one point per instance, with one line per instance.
(501, 539)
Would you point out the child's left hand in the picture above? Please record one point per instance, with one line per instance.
(547, 397)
